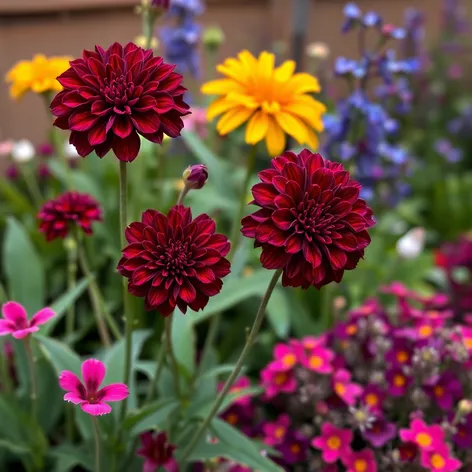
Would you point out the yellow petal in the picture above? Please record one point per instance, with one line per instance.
(218, 107)
(307, 112)
(246, 58)
(302, 83)
(233, 69)
(257, 127)
(292, 125)
(312, 140)
(244, 100)
(221, 87)
(266, 64)
(275, 138)
(284, 71)
(232, 119)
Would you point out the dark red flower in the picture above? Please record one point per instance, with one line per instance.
(172, 260)
(71, 208)
(312, 223)
(196, 176)
(157, 452)
(111, 96)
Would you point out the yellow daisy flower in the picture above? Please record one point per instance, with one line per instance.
(272, 100)
(38, 75)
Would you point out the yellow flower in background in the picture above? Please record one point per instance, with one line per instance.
(38, 75)
(273, 101)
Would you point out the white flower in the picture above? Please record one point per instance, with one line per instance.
(23, 151)
(317, 50)
(71, 151)
(411, 244)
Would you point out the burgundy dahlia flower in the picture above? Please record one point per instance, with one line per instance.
(71, 208)
(111, 96)
(312, 223)
(173, 260)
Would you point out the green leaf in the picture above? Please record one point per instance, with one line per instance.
(234, 291)
(152, 416)
(23, 268)
(183, 341)
(279, 312)
(61, 305)
(234, 446)
(19, 202)
(14, 447)
(69, 456)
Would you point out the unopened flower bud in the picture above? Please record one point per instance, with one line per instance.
(195, 176)
(22, 151)
(213, 37)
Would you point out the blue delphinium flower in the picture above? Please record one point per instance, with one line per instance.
(361, 132)
(446, 150)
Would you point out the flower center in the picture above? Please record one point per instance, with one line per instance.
(402, 357)
(334, 442)
(118, 92)
(439, 391)
(289, 360)
(339, 388)
(295, 448)
(175, 258)
(316, 362)
(371, 399)
(425, 331)
(351, 329)
(437, 461)
(232, 418)
(424, 439)
(270, 107)
(399, 380)
(279, 432)
(360, 465)
(280, 378)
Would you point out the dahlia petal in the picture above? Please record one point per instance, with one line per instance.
(82, 120)
(337, 257)
(272, 258)
(141, 276)
(164, 102)
(103, 149)
(324, 178)
(73, 99)
(133, 56)
(348, 194)
(341, 209)
(294, 244)
(96, 409)
(205, 275)
(293, 172)
(356, 222)
(81, 143)
(293, 190)
(93, 373)
(101, 108)
(170, 82)
(187, 292)
(312, 254)
(70, 80)
(220, 243)
(348, 242)
(42, 316)
(70, 382)
(22, 333)
(200, 302)
(122, 126)
(6, 327)
(150, 216)
(264, 194)
(147, 123)
(282, 218)
(134, 232)
(15, 313)
(249, 226)
(127, 149)
(97, 135)
(74, 398)
(171, 125)
(146, 103)
(113, 392)
(279, 183)
(222, 268)
(62, 122)
(211, 289)
(96, 67)
(156, 296)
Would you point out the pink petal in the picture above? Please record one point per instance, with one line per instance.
(113, 392)
(6, 327)
(96, 409)
(42, 317)
(22, 333)
(16, 313)
(74, 398)
(70, 382)
(93, 373)
(150, 465)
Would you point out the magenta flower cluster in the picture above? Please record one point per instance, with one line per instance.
(383, 390)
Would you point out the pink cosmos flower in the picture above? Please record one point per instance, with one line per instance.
(440, 460)
(286, 357)
(276, 382)
(15, 320)
(361, 461)
(373, 397)
(398, 382)
(274, 433)
(344, 388)
(446, 391)
(400, 354)
(319, 359)
(91, 399)
(380, 433)
(157, 452)
(427, 438)
(335, 443)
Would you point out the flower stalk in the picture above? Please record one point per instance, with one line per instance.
(33, 379)
(70, 245)
(170, 352)
(237, 369)
(96, 434)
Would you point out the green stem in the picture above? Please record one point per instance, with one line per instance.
(32, 372)
(209, 341)
(7, 384)
(96, 434)
(71, 248)
(32, 183)
(237, 369)
(126, 296)
(160, 358)
(182, 195)
(171, 354)
(148, 26)
(236, 226)
(98, 300)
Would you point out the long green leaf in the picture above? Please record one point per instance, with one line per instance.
(23, 268)
(183, 341)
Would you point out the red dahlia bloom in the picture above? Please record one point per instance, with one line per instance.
(312, 223)
(172, 260)
(71, 208)
(111, 96)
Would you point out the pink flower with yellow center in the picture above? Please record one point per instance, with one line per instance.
(373, 397)
(334, 443)
(276, 432)
(276, 381)
(426, 329)
(398, 382)
(446, 391)
(427, 438)
(440, 460)
(319, 359)
(345, 389)
(361, 461)
(400, 354)
(286, 357)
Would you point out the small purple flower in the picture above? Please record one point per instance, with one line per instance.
(372, 20)
(445, 148)
(446, 391)
(12, 172)
(380, 433)
(276, 432)
(463, 436)
(45, 150)
(353, 14)
(398, 382)
(294, 448)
